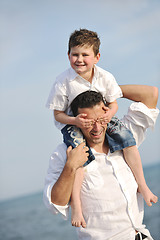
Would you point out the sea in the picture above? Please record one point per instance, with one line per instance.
(26, 218)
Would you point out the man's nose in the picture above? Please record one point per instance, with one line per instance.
(97, 126)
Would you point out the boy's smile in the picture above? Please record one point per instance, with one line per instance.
(82, 60)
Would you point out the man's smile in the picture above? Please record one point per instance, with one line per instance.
(97, 134)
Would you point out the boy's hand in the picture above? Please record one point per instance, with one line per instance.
(106, 118)
(81, 121)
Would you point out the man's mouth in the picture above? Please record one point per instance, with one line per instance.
(96, 134)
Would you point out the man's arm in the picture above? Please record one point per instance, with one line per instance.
(139, 117)
(141, 93)
(62, 189)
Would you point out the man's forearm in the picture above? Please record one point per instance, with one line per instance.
(62, 189)
(141, 93)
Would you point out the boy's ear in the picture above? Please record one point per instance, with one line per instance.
(97, 58)
(68, 55)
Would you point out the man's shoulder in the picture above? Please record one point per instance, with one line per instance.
(59, 155)
(60, 149)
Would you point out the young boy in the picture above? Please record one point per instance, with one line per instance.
(83, 53)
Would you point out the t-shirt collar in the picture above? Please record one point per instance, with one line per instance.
(74, 75)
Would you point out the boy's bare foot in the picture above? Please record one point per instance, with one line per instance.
(77, 219)
(148, 196)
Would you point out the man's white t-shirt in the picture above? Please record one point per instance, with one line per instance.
(111, 206)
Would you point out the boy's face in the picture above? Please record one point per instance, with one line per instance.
(82, 60)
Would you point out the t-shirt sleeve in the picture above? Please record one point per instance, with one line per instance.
(56, 165)
(112, 91)
(58, 99)
(138, 119)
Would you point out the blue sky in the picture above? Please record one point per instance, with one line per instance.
(33, 47)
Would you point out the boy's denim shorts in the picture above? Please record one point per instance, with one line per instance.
(72, 136)
(117, 135)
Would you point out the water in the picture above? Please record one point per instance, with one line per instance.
(152, 214)
(27, 218)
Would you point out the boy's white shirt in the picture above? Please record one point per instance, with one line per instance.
(69, 84)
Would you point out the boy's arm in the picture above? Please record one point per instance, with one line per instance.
(113, 106)
(79, 121)
(62, 117)
(110, 111)
(141, 93)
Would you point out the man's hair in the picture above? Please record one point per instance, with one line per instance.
(86, 99)
(84, 37)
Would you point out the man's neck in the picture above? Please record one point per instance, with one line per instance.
(101, 148)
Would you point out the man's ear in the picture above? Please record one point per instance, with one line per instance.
(105, 108)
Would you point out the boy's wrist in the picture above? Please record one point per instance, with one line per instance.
(72, 120)
(112, 112)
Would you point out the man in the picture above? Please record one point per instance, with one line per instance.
(111, 206)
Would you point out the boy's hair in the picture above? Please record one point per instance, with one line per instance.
(86, 99)
(84, 37)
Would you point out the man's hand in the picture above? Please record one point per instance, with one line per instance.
(78, 156)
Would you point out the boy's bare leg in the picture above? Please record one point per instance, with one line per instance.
(133, 159)
(77, 218)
